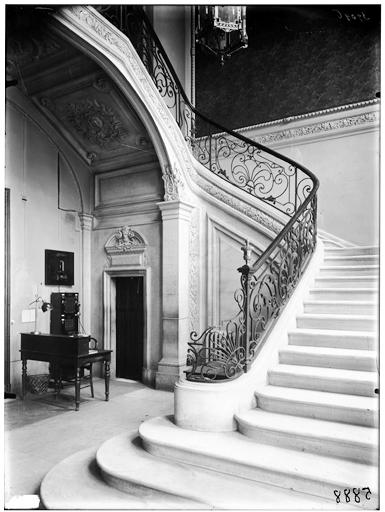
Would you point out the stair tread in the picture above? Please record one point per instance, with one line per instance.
(349, 267)
(347, 278)
(207, 489)
(332, 351)
(351, 257)
(311, 397)
(337, 316)
(343, 290)
(237, 448)
(333, 332)
(299, 425)
(341, 302)
(373, 248)
(330, 373)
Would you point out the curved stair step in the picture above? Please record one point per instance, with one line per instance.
(321, 405)
(232, 453)
(344, 359)
(328, 438)
(324, 379)
(333, 339)
(359, 307)
(336, 322)
(76, 484)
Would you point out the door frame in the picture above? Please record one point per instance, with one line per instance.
(7, 290)
(109, 320)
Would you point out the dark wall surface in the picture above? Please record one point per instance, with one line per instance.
(300, 59)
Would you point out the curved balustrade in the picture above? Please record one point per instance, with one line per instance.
(224, 352)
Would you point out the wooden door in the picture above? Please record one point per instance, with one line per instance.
(129, 327)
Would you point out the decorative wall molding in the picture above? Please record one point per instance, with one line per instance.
(86, 221)
(194, 276)
(253, 213)
(173, 184)
(125, 247)
(331, 123)
(317, 113)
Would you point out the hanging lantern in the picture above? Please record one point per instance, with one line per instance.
(221, 29)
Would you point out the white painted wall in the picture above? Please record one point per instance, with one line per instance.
(36, 224)
(341, 147)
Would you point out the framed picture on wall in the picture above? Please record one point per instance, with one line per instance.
(59, 268)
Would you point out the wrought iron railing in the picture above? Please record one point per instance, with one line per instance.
(226, 351)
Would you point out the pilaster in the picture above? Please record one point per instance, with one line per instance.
(85, 299)
(175, 297)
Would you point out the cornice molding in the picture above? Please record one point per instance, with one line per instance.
(332, 122)
(309, 115)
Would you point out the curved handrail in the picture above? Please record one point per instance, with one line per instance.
(227, 351)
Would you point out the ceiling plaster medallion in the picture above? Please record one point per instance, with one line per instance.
(95, 122)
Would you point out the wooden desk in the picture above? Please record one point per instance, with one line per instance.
(62, 350)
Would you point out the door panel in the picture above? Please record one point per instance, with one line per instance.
(129, 327)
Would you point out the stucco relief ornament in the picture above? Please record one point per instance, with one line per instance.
(125, 244)
(95, 121)
(125, 238)
(173, 185)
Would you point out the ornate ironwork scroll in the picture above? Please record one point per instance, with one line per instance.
(250, 166)
(224, 352)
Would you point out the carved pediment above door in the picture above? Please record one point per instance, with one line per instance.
(126, 247)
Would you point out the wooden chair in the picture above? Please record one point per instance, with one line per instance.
(65, 373)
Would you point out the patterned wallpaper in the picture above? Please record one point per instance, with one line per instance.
(296, 63)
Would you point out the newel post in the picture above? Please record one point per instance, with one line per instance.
(246, 321)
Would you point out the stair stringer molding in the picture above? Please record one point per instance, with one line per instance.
(210, 407)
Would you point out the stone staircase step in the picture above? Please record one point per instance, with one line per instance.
(336, 322)
(362, 307)
(346, 282)
(333, 339)
(351, 270)
(366, 294)
(357, 410)
(351, 251)
(332, 380)
(232, 453)
(76, 484)
(330, 438)
(360, 259)
(325, 357)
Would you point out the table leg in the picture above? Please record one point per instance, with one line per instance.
(107, 379)
(23, 377)
(77, 389)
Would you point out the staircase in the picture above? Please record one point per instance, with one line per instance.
(315, 427)
(322, 396)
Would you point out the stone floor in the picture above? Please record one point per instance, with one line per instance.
(40, 431)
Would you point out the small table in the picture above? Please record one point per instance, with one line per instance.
(63, 350)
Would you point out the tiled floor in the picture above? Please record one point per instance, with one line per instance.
(41, 431)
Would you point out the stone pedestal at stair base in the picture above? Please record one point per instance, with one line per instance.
(175, 298)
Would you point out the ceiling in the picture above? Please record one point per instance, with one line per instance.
(80, 101)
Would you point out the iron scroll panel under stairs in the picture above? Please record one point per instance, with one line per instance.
(226, 351)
